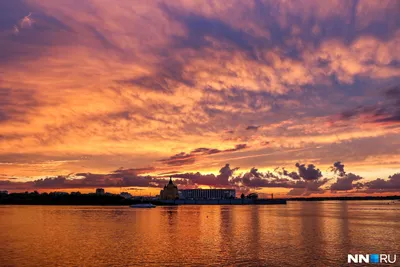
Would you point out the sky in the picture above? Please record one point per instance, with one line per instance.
(296, 98)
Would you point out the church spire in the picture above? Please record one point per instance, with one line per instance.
(170, 180)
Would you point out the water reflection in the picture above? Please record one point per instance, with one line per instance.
(298, 234)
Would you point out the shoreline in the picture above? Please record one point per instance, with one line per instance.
(116, 200)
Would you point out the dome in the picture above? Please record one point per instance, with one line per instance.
(170, 191)
(171, 184)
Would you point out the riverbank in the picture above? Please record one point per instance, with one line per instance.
(117, 200)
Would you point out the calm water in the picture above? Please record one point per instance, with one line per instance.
(298, 234)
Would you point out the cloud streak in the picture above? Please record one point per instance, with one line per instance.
(186, 159)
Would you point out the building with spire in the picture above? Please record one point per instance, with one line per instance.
(170, 191)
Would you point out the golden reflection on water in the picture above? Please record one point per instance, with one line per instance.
(298, 234)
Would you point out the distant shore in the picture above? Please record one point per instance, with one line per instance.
(117, 200)
(343, 198)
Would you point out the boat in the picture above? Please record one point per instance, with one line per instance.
(143, 206)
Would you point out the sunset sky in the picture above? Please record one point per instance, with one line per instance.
(292, 97)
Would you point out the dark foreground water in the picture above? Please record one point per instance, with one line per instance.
(298, 234)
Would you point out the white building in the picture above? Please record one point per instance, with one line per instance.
(207, 193)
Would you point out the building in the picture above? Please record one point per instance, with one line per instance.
(170, 191)
(99, 191)
(5, 192)
(207, 193)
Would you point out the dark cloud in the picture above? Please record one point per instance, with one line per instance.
(302, 183)
(135, 171)
(224, 178)
(90, 180)
(306, 188)
(179, 159)
(198, 178)
(236, 148)
(205, 151)
(134, 180)
(169, 173)
(252, 127)
(57, 182)
(224, 174)
(6, 177)
(256, 179)
(282, 179)
(307, 181)
(338, 167)
(309, 172)
(311, 185)
(393, 183)
(118, 178)
(283, 172)
(345, 182)
(190, 158)
(14, 185)
(293, 175)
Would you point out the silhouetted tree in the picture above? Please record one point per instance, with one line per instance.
(242, 196)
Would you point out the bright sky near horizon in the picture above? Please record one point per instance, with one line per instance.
(122, 93)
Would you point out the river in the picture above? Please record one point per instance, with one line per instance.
(296, 234)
